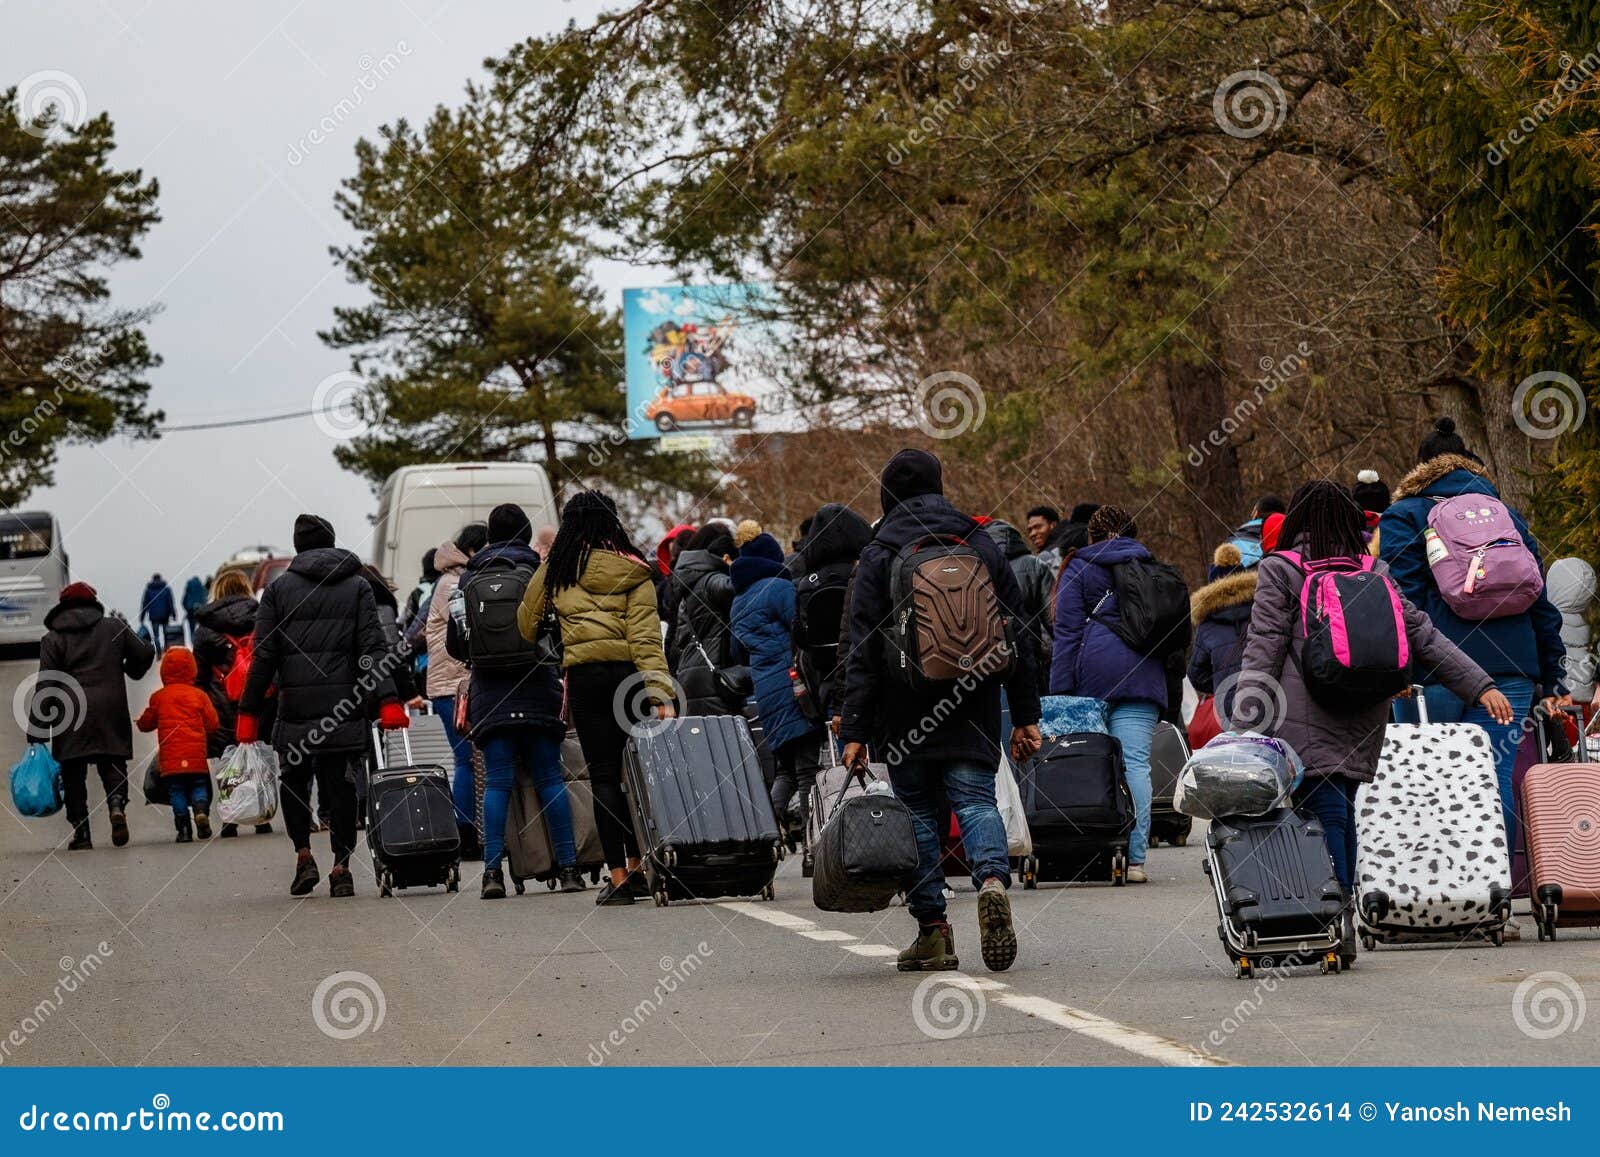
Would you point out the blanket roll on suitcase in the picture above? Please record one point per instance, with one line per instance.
(866, 852)
(1432, 860)
(1278, 899)
(1169, 751)
(1079, 810)
(411, 826)
(1561, 826)
(529, 855)
(701, 811)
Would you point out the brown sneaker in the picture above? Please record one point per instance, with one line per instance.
(306, 875)
(934, 950)
(340, 882)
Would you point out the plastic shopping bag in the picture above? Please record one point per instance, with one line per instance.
(247, 785)
(1239, 773)
(36, 783)
(1008, 798)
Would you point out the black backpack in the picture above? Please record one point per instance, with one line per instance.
(819, 604)
(490, 600)
(1153, 607)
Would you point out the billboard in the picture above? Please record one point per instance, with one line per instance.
(695, 362)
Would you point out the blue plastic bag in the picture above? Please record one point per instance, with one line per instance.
(36, 783)
(1071, 715)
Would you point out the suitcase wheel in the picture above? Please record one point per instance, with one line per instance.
(452, 882)
(661, 899)
(1369, 943)
(550, 884)
(1119, 869)
(808, 866)
(1329, 965)
(1180, 840)
(386, 883)
(1243, 969)
(1030, 873)
(1498, 937)
(519, 886)
(770, 892)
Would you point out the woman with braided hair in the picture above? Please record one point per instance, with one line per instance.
(596, 588)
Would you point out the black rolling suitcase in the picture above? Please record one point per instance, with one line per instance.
(1079, 810)
(700, 808)
(1278, 900)
(1169, 751)
(411, 825)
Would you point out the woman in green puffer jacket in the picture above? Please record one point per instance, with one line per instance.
(598, 587)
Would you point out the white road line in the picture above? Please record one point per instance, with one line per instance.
(1162, 1050)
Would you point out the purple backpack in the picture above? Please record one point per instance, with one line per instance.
(1356, 653)
(1482, 567)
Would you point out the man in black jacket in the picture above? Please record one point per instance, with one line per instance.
(702, 594)
(1036, 583)
(318, 641)
(948, 746)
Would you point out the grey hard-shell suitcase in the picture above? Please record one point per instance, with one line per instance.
(528, 852)
(700, 808)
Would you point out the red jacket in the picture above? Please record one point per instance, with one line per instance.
(181, 715)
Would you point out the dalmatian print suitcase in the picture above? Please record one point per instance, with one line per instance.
(1432, 859)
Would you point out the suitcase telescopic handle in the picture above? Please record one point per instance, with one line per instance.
(1419, 696)
(377, 744)
(1576, 711)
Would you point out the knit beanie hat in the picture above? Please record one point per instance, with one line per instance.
(78, 591)
(312, 531)
(1370, 492)
(1225, 560)
(909, 474)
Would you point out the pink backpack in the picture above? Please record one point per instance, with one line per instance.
(1483, 568)
(1356, 653)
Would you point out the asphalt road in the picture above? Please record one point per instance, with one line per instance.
(180, 955)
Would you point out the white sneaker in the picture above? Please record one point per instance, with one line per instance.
(1513, 930)
(1136, 874)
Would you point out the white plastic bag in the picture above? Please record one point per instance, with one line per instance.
(1239, 773)
(1008, 797)
(247, 785)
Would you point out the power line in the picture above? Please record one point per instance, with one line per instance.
(223, 425)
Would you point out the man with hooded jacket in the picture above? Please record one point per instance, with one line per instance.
(948, 746)
(318, 640)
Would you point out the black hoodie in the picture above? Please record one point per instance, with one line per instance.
(318, 639)
(821, 572)
(1037, 583)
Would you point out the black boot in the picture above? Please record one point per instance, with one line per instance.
(185, 833)
(119, 824)
(572, 880)
(80, 837)
(494, 885)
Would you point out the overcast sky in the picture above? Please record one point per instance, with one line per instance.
(217, 101)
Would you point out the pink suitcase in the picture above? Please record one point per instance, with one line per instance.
(1561, 830)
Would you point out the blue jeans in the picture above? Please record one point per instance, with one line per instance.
(461, 786)
(541, 755)
(188, 790)
(1443, 707)
(1132, 722)
(969, 788)
(1332, 799)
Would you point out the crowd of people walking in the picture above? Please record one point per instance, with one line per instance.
(512, 637)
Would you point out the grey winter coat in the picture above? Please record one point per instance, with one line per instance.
(1328, 743)
(80, 702)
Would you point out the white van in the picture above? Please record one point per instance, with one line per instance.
(421, 506)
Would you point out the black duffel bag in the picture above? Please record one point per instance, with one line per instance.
(865, 853)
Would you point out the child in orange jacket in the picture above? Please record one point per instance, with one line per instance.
(182, 715)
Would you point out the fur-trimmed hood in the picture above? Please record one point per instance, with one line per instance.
(1429, 472)
(1234, 590)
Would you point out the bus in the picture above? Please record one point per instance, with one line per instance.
(420, 507)
(33, 569)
